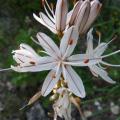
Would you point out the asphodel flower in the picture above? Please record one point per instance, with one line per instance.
(95, 56)
(84, 14)
(56, 22)
(62, 106)
(56, 61)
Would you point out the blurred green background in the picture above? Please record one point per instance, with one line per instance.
(17, 26)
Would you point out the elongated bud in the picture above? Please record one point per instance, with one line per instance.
(95, 9)
(75, 12)
(34, 98)
(82, 15)
(61, 15)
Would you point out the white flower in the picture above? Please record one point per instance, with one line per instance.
(95, 57)
(62, 106)
(84, 14)
(57, 61)
(56, 22)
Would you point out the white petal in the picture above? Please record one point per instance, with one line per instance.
(77, 57)
(44, 20)
(100, 49)
(45, 63)
(75, 83)
(28, 48)
(50, 82)
(90, 43)
(69, 42)
(81, 60)
(102, 73)
(26, 56)
(48, 44)
(61, 14)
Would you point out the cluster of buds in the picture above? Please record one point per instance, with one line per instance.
(62, 79)
(82, 16)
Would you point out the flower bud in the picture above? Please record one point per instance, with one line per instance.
(84, 14)
(95, 9)
(61, 15)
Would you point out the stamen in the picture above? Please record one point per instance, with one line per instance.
(108, 64)
(49, 7)
(52, 6)
(101, 66)
(6, 69)
(41, 51)
(99, 35)
(113, 53)
(74, 2)
(50, 17)
(108, 42)
(112, 40)
(35, 41)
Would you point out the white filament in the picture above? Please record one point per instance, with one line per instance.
(6, 69)
(111, 65)
(113, 53)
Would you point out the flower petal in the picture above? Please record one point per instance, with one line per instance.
(48, 44)
(69, 42)
(28, 48)
(77, 57)
(100, 49)
(44, 20)
(81, 60)
(50, 82)
(44, 63)
(61, 14)
(75, 83)
(102, 73)
(26, 56)
(90, 44)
